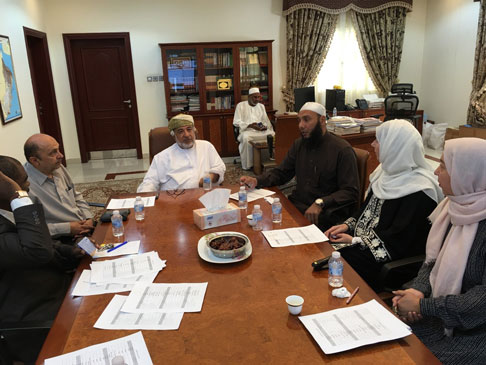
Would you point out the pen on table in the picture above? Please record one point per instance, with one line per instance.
(120, 245)
(157, 196)
(347, 300)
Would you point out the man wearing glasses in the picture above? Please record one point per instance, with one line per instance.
(184, 164)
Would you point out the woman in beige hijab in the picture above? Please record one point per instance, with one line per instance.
(446, 303)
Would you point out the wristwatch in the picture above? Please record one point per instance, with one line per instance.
(19, 194)
(319, 202)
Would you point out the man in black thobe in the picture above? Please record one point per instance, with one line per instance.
(325, 168)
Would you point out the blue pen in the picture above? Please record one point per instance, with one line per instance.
(120, 245)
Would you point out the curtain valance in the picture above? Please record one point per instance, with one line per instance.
(341, 6)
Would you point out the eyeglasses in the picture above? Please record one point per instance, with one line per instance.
(175, 193)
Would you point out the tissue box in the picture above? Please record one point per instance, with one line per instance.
(205, 219)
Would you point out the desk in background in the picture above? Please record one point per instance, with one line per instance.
(244, 318)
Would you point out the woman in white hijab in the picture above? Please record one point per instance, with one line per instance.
(446, 303)
(392, 223)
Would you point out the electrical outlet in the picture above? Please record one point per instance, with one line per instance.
(149, 79)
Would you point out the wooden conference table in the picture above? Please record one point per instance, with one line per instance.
(244, 318)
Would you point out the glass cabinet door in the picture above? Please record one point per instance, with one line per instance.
(183, 80)
(254, 71)
(219, 78)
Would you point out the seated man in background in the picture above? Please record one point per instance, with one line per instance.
(183, 165)
(325, 168)
(252, 120)
(33, 278)
(67, 213)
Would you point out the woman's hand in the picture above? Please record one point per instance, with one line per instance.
(334, 230)
(341, 238)
(406, 304)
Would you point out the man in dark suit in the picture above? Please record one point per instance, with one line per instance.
(33, 268)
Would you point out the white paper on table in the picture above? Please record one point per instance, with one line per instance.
(110, 270)
(295, 236)
(254, 194)
(169, 298)
(113, 318)
(148, 201)
(350, 327)
(85, 288)
(132, 348)
(129, 248)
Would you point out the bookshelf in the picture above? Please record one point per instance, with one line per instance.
(208, 80)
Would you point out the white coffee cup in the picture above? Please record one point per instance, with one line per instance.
(294, 304)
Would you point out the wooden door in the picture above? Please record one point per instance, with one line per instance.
(43, 85)
(103, 90)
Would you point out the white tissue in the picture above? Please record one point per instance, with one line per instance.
(341, 292)
(216, 199)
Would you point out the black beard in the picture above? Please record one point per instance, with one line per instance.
(314, 137)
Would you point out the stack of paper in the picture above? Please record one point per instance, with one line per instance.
(112, 276)
(343, 125)
(374, 101)
(368, 124)
(254, 194)
(153, 306)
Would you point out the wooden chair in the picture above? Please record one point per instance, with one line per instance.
(362, 158)
(159, 140)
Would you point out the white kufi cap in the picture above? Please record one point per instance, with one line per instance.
(314, 107)
(253, 90)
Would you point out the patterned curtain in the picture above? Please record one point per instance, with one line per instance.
(476, 113)
(309, 35)
(380, 38)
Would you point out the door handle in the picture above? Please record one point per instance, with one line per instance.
(127, 101)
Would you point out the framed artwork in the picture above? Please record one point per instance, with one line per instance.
(9, 95)
(180, 62)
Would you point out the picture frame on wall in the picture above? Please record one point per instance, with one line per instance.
(10, 109)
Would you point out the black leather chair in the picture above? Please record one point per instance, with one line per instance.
(402, 104)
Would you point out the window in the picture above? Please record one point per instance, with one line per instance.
(344, 65)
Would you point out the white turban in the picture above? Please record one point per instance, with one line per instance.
(314, 107)
(253, 90)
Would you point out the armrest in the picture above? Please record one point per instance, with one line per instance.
(395, 273)
(25, 325)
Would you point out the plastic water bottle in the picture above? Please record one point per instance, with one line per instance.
(139, 209)
(276, 211)
(335, 270)
(257, 218)
(117, 224)
(207, 182)
(334, 112)
(242, 198)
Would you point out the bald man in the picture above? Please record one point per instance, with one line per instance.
(67, 213)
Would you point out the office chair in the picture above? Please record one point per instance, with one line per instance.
(402, 104)
(270, 141)
(362, 160)
(236, 133)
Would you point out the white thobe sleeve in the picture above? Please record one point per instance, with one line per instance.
(265, 119)
(216, 164)
(242, 118)
(151, 181)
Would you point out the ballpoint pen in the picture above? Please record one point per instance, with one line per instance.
(120, 245)
(349, 299)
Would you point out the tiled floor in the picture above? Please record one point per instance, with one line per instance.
(96, 170)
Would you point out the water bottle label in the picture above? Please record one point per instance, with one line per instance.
(336, 269)
(117, 224)
(138, 208)
(206, 180)
(257, 217)
(242, 196)
(276, 209)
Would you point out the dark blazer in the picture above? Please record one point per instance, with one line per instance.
(32, 280)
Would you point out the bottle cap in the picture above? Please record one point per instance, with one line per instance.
(276, 200)
(242, 188)
(138, 197)
(116, 212)
(336, 254)
(256, 206)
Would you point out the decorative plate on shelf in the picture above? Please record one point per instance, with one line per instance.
(206, 254)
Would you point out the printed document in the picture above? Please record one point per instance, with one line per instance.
(148, 201)
(168, 298)
(347, 328)
(295, 236)
(129, 350)
(84, 286)
(112, 270)
(254, 194)
(113, 318)
(131, 247)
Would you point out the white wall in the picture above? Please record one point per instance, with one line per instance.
(15, 15)
(450, 43)
(151, 22)
(413, 47)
